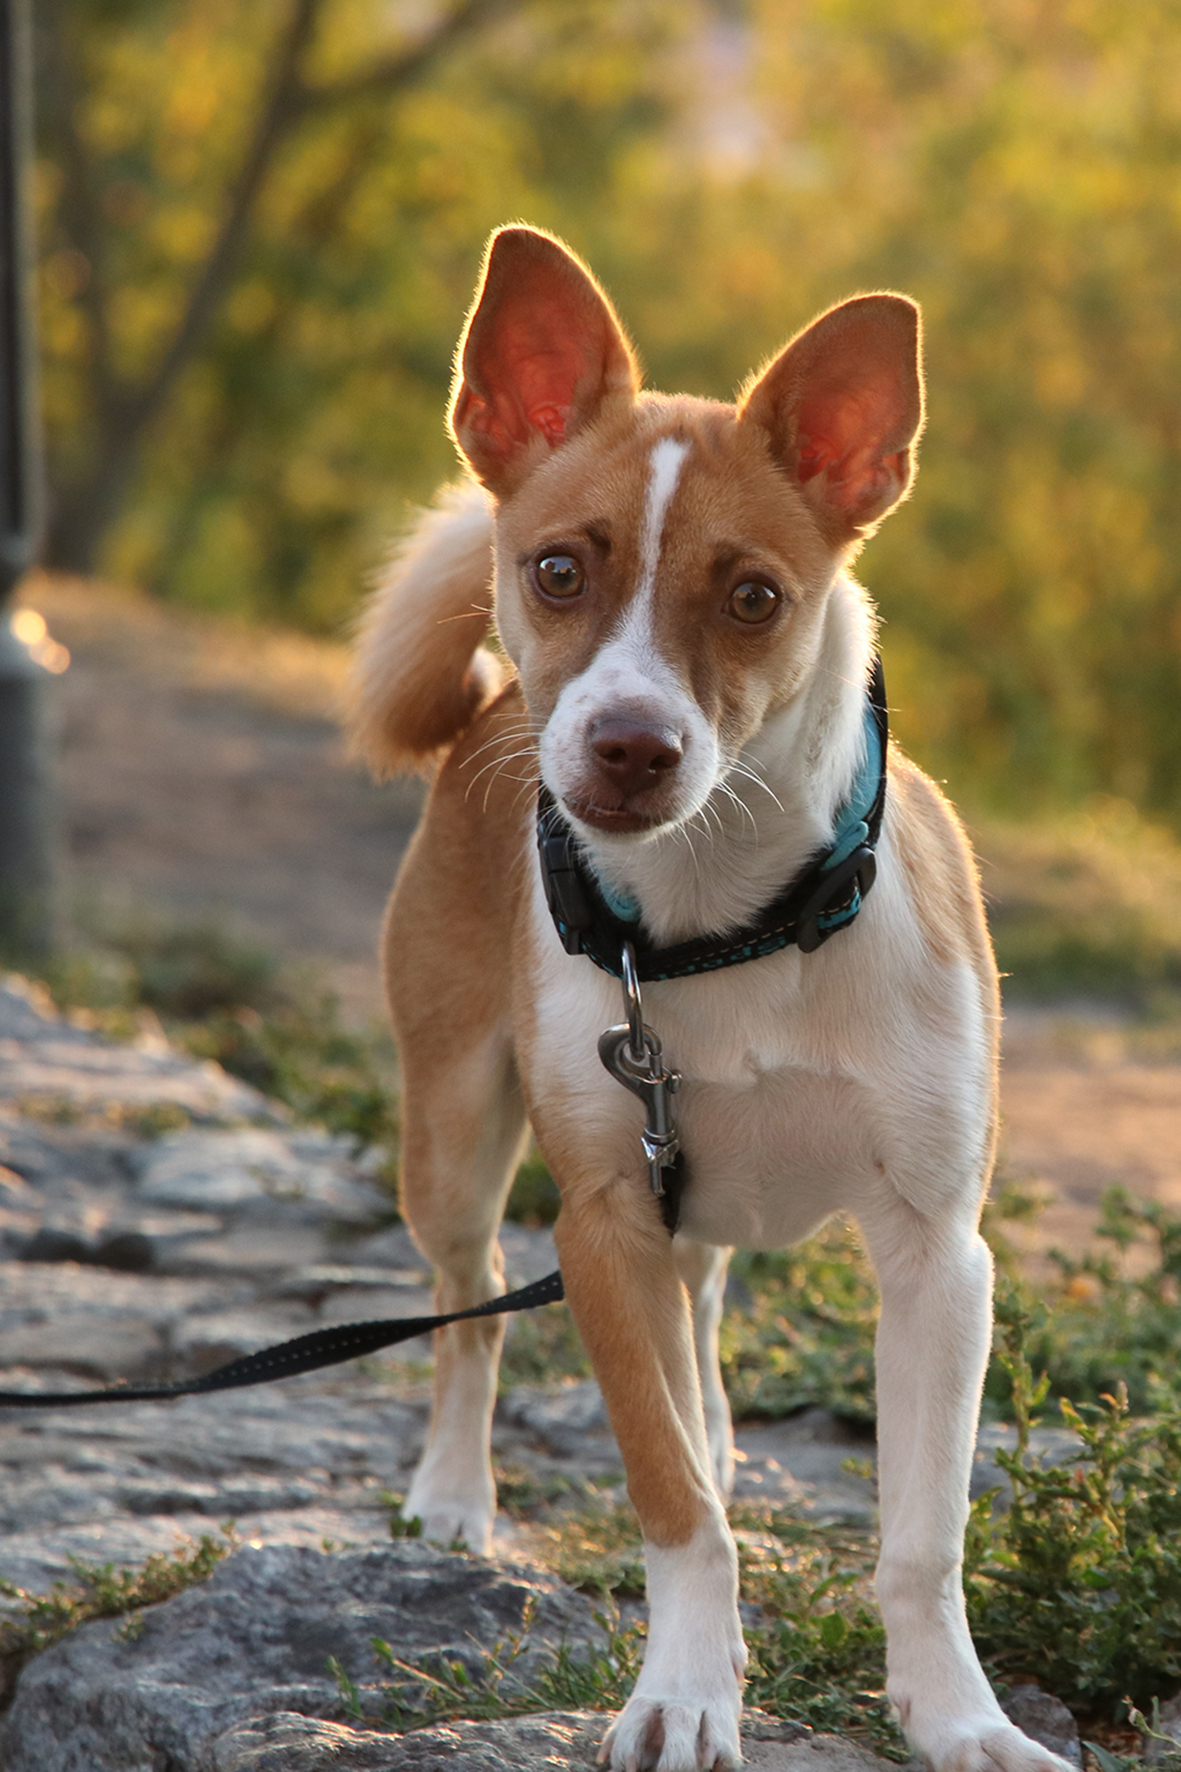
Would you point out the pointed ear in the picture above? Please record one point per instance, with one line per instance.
(541, 356)
(843, 406)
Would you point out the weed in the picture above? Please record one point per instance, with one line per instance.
(541, 1347)
(1110, 1322)
(805, 1334)
(522, 1493)
(400, 1525)
(102, 1591)
(534, 1199)
(488, 1683)
(1077, 1584)
(597, 1549)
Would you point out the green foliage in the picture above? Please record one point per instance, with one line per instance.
(803, 1331)
(1085, 903)
(820, 1657)
(1078, 1582)
(102, 1591)
(542, 1347)
(534, 1199)
(728, 172)
(1109, 1326)
(230, 1001)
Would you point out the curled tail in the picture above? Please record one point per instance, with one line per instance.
(420, 670)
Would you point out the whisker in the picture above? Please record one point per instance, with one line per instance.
(741, 766)
(506, 735)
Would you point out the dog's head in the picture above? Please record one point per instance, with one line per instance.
(663, 564)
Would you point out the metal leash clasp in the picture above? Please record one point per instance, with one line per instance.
(632, 1053)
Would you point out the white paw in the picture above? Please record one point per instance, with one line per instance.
(450, 1515)
(984, 1743)
(667, 1735)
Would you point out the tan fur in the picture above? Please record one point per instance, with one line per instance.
(421, 670)
(862, 1076)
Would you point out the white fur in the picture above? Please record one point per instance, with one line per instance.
(855, 1078)
(628, 676)
(690, 1686)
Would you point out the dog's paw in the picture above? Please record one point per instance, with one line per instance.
(449, 1516)
(984, 1744)
(651, 1735)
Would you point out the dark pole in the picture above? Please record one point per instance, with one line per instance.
(26, 822)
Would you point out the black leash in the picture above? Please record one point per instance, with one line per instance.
(307, 1353)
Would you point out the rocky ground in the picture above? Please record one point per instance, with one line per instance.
(158, 1217)
(203, 777)
(131, 1251)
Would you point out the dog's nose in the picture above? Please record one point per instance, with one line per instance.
(633, 756)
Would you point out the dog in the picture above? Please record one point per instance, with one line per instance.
(686, 666)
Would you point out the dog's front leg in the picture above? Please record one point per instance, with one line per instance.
(932, 1347)
(632, 1312)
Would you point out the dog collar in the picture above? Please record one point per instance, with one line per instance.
(824, 897)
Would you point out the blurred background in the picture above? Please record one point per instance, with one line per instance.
(259, 228)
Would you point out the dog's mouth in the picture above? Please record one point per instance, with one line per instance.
(621, 820)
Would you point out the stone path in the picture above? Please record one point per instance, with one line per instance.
(127, 1252)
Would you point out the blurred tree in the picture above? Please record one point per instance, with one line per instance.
(108, 170)
(728, 166)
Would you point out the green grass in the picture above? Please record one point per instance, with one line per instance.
(230, 1001)
(1087, 903)
(99, 1590)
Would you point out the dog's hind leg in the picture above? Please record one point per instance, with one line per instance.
(935, 1278)
(703, 1267)
(447, 978)
(459, 1159)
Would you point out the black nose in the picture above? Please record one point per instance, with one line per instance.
(633, 756)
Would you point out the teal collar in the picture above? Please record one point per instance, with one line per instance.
(825, 896)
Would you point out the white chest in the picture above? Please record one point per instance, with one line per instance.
(808, 1081)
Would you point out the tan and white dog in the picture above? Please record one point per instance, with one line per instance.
(689, 667)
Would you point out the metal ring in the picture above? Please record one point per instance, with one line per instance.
(633, 1008)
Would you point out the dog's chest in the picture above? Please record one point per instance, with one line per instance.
(772, 1131)
(809, 1082)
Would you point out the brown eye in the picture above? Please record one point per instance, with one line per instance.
(560, 575)
(753, 602)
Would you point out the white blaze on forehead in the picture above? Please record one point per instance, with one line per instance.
(629, 675)
(664, 470)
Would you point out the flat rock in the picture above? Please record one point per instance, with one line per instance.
(44, 1057)
(1046, 1719)
(311, 1176)
(550, 1739)
(256, 1638)
(558, 1739)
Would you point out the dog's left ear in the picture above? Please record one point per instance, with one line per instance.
(843, 405)
(542, 356)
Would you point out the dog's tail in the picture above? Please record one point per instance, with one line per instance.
(420, 673)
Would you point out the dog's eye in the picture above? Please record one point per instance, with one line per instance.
(753, 602)
(560, 575)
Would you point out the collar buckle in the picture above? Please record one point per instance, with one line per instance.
(831, 906)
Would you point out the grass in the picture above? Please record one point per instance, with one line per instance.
(1085, 904)
(99, 1590)
(1072, 1580)
(230, 1001)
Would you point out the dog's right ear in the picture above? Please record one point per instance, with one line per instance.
(540, 358)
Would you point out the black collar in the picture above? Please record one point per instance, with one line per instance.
(824, 897)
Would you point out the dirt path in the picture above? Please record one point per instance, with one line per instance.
(203, 776)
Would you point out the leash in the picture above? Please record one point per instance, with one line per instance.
(306, 1353)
